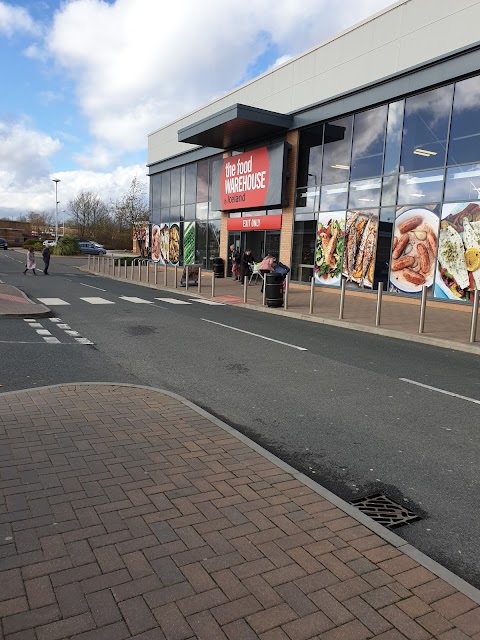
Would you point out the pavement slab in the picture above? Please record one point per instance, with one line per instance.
(16, 304)
(128, 512)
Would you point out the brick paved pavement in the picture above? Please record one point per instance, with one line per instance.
(126, 513)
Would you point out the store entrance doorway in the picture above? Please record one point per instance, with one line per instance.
(261, 243)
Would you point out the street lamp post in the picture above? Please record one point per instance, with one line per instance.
(56, 180)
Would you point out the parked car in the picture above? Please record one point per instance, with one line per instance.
(92, 248)
(49, 243)
(3, 244)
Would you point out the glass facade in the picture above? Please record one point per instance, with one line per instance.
(385, 187)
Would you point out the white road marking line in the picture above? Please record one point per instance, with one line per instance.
(212, 302)
(91, 286)
(43, 332)
(97, 301)
(35, 325)
(72, 333)
(21, 342)
(136, 300)
(55, 320)
(52, 340)
(55, 302)
(29, 320)
(448, 393)
(256, 335)
(173, 301)
(64, 326)
(84, 341)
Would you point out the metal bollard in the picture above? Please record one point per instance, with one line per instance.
(155, 272)
(175, 284)
(264, 292)
(423, 307)
(186, 278)
(199, 279)
(312, 293)
(245, 285)
(125, 268)
(139, 271)
(379, 304)
(148, 272)
(473, 326)
(342, 298)
(287, 282)
(213, 284)
(114, 266)
(133, 267)
(165, 276)
(88, 263)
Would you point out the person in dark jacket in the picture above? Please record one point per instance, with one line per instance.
(246, 265)
(46, 259)
(235, 257)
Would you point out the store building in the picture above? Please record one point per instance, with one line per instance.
(360, 158)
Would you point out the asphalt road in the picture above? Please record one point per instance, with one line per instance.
(330, 402)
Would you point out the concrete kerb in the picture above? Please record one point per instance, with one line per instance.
(343, 324)
(41, 310)
(391, 538)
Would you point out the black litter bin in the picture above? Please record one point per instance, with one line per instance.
(218, 267)
(274, 289)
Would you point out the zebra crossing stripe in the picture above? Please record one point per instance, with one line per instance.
(97, 300)
(136, 300)
(54, 302)
(173, 300)
(204, 301)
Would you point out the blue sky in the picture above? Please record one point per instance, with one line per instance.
(85, 81)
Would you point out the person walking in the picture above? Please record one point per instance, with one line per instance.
(46, 259)
(246, 265)
(31, 264)
(235, 256)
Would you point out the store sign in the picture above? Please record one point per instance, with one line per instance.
(261, 223)
(251, 180)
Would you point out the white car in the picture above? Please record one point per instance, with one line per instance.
(49, 243)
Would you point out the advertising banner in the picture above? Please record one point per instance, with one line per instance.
(174, 243)
(189, 243)
(261, 223)
(156, 243)
(329, 243)
(250, 180)
(458, 263)
(414, 249)
(361, 231)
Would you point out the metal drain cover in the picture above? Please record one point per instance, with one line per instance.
(384, 510)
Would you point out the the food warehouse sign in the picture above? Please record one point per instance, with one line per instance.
(251, 180)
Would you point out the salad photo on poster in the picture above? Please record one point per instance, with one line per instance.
(458, 265)
(189, 243)
(361, 230)
(329, 244)
(414, 249)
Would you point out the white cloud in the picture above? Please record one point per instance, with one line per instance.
(138, 64)
(16, 19)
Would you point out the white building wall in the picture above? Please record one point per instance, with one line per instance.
(408, 33)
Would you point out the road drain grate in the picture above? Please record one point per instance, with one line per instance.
(385, 511)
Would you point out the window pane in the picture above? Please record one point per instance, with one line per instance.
(420, 188)
(175, 187)
(334, 197)
(214, 215)
(389, 191)
(156, 185)
(394, 137)
(175, 214)
(213, 248)
(164, 215)
(202, 211)
(368, 141)
(303, 253)
(202, 181)
(190, 211)
(465, 128)
(165, 197)
(310, 156)
(463, 183)
(425, 129)
(365, 193)
(307, 199)
(190, 183)
(337, 150)
(200, 243)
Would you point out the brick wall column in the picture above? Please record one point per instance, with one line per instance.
(286, 237)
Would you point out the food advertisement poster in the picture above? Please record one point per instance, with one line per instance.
(361, 231)
(189, 243)
(414, 249)
(156, 243)
(174, 243)
(458, 264)
(164, 236)
(329, 245)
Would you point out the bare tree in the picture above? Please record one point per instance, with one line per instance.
(89, 214)
(40, 222)
(131, 211)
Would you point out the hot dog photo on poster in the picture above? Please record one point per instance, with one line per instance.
(414, 248)
(458, 266)
(361, 231)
